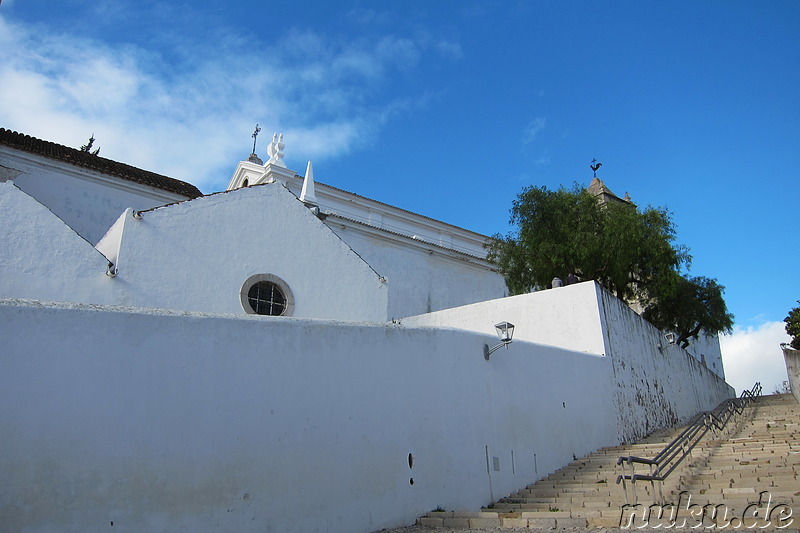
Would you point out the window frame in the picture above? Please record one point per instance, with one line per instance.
(282, 286)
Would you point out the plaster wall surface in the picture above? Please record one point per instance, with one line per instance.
(43, 258)
(653, 387)
(706, 349)
(177, 421)
(391, 218)
(86, 200)
(792, 358)
(196, 256)
(568, 317)
(421, 280)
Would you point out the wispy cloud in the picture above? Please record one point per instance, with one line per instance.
(201, 106)
(450, 49)
(533, 130)
(544, 158)
(753, 354)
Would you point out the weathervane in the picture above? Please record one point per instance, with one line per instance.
(254, 136)
(595, 166)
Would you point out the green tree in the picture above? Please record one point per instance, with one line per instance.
(628, 251)
(688, 306)
(555, 237)
(568, 232)
(793, 326)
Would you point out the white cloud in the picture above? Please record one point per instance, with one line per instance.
(544, 158)
(754, 354)
(449, 49)
(533, 129)
(188, 112)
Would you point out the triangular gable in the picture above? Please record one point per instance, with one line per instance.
(196, 255)
(42, 257)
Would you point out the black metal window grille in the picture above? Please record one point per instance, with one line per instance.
(266, 299)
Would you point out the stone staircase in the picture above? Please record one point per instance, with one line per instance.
(759, 464)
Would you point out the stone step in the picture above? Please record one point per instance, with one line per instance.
(762, 455)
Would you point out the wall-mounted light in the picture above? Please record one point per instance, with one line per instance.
(670, 338)
(505, 332)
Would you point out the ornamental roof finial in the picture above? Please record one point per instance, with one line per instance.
(253, 157)
(275, 150)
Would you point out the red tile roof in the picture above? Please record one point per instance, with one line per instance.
(78, 158)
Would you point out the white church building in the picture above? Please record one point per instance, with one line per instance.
(289, 356)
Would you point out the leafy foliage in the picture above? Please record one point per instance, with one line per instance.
(688, 307)
(631, 253)
(793, 326)
(568, 232)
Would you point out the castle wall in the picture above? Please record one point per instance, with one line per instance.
(167, 421)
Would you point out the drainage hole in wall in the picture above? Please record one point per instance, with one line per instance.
(410, 461)
(564, 405)
(112, 523)
(411, 481)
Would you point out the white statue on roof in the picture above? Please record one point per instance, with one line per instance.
(275, 150)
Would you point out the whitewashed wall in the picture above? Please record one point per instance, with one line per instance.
(41, 257)
(421, 281)
(86, 200)
(166, 421)
(567, 317)
(792, 359)
(706, 349)
(653, 387)
(196, 255)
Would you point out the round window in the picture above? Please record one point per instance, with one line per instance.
(266, 294)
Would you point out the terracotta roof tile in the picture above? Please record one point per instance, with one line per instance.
(78, 158)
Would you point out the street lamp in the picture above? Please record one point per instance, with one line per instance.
(505, 331)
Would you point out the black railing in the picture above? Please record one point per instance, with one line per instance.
(668, 459)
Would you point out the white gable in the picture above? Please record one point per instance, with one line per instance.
(43, 257)
(197, 255)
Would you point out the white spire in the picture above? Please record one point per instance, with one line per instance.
(307, 195)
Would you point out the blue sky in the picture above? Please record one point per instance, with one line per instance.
(450, 108)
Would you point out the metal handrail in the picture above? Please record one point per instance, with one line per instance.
(668, 459)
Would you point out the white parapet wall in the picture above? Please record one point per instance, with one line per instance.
(567, 317)
(167, 421)
(792, 358)
(655, 384)
(177, 421)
